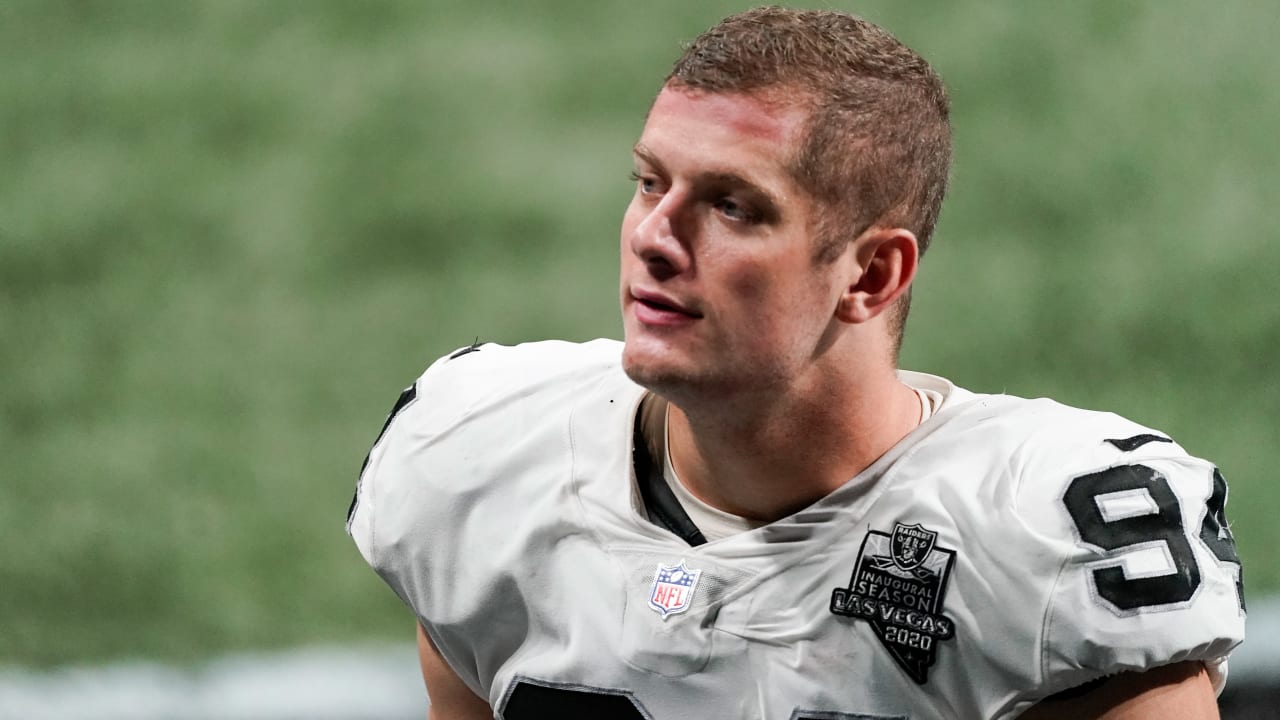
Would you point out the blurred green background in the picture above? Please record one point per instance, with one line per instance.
(231, 232)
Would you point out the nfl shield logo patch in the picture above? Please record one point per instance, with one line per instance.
(673, 588)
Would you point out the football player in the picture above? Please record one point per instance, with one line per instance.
(746, 510)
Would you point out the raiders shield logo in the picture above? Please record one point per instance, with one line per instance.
(911, 545)
(898, 585)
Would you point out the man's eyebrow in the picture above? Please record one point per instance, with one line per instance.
(645, 154)
(731, 179)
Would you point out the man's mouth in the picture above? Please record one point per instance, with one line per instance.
(662, 306)
(660, 303)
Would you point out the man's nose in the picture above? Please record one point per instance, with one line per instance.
(662, 238)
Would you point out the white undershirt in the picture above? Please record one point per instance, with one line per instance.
(930, 401)
(715, 523)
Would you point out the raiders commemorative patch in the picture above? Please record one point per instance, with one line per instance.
(897, 585)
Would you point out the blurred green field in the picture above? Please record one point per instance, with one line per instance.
(231, 232)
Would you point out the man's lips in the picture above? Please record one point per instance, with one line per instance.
(658, 307)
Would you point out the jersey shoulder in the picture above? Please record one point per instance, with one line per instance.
(477, 374)
(487, 388)
(464, 436)
(1054, 450)
(1045, 429)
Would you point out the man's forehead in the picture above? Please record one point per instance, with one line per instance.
(775, 116)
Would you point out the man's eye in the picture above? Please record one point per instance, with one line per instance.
(734, 210)
(646, 184)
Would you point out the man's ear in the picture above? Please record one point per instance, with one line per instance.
(888, 258)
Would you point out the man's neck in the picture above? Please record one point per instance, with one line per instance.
(765, 461)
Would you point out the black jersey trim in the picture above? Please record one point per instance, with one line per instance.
(832, 715)
(1081, 689)
(473, 347)
(407, 396)
(663, 507)
(1130, 444)
(530, 699)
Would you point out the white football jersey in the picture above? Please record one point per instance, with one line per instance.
(1005, 550)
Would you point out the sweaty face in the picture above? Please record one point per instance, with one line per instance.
(720, 291)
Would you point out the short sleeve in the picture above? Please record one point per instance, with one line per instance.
(1149, 575)
(388, 461)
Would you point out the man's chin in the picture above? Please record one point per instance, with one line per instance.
(650, 370)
